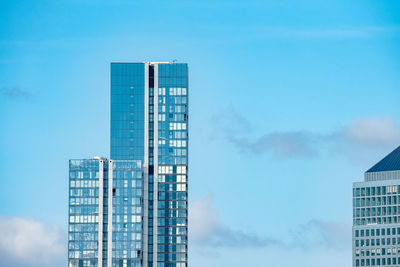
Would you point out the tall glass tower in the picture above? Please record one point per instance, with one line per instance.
(149, 122)
(376, 214)
(131, 210)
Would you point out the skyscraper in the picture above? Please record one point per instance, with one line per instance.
(149, 122)
(149, 128)
(376, 214)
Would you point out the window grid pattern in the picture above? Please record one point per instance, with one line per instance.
(376, 225)
(127, 122)
(172, 165)
(127, 214)
(151, 164)
(83, 213)
(376, 246)
(83, 229)
(376, 205)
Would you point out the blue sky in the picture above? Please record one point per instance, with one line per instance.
(290, 102)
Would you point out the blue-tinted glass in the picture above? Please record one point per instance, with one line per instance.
(85, 201)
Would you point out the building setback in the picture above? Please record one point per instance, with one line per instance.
(376, 214)
(149, 129)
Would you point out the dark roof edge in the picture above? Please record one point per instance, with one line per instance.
(391, 162)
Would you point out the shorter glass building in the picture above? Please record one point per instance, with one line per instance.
(376, 214)
(105, 213)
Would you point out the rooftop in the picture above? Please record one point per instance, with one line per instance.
(389, 163)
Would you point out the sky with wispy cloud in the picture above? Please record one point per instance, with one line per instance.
(290, 102)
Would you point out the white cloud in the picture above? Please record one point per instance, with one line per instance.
(28, 242)
(363, 139)
(203, 219)
(230, 120)
(207, 231)
(373, 131)
(279, 144)
(323, 234)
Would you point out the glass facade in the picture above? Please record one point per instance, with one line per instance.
(91, 225)
(127, 111)
(127, 213)
(83, 213)
(131, 210)
(172, 165)
(376, 215)
(376, 246)
(149, 122)
(376, 227)
(376, 205)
